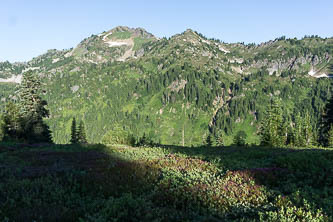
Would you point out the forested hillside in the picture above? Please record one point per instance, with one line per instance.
(179, 90)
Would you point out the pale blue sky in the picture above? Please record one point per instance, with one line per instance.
(29, 28)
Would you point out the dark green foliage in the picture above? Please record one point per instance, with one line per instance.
(330, 137)
(240, 138)
(327, 122)
(209, 140)
(273, 129)
(2, 128)
(118, 135)
(81, 133)
(74, 133)
(308, 131)
(145, 140)
(12, 118)
(27, 116)
(302, 133)
(219, 138)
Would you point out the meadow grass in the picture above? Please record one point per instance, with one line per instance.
(43, 182)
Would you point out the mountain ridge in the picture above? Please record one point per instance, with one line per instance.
(176, 89)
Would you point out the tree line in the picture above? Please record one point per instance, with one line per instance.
(23, 121)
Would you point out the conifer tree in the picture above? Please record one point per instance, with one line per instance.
(81, 133)
(308, 134)
(301, 134)
(299, 139)
(273, 130)
(74, 133)
(2, 128)
(12, 128)
(326, 122)
(33, 109)
(145, 141)
(219, 138)
(290, 134)
(209, 140)
(328, 114)
(330, 136)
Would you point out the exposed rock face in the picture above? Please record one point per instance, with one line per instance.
(177, 85)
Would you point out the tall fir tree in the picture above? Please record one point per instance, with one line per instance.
(308, 132)
(330, 137)
(81, 133)
(209, 140)
(326, 123)
(2, 128)
(74, 133)
(301, 132)
(273, 129)
(33, 109)
(299, 139)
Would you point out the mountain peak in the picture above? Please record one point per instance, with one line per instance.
(131, 32)
(190, 31)
(188, 34)
(117, 44)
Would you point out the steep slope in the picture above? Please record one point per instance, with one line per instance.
(181, 89)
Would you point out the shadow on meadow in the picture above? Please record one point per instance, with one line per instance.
(300, 174)
(96, 183)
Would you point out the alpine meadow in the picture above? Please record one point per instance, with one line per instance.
(127, 126)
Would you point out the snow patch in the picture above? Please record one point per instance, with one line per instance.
(104, 38)
(205, 41)
(13, 79)
(55, 60)
(322, 75)
(223, 50)
(68, 54)
(115, 44)
(312, 72)
(30, 69)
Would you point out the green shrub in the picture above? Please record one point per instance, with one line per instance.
(2, 133)
(240, 138)
(289, 213)
(124, 208)
(145, 140)
(118, 136)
